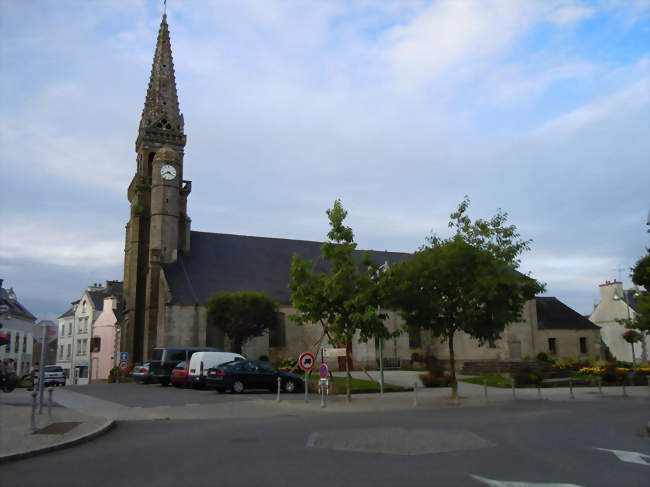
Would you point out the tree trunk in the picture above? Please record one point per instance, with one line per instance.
(452, 365)
(237, 344)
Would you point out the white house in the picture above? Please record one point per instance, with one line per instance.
(616, 304)
(16, 331)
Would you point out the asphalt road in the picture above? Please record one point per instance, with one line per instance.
(546, 442)
(152, 395)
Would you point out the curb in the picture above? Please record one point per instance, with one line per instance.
(59, 446)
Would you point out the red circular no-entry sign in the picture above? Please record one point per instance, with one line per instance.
(123, 365)
(306, 361)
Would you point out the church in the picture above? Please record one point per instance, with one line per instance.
(171, 271)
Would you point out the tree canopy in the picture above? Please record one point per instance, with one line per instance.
(345, 298)
(242, 315)
(465, 283)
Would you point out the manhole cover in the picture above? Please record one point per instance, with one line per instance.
(398, 441)
(57, 428)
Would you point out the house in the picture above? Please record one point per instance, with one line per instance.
(105, 337)
(17, 328)
(76, 330)
(617, 304)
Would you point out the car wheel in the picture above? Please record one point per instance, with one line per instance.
(289, 386)
(164, 383)
(237, 386)
(221, 390)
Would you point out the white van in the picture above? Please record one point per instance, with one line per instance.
(202, 361)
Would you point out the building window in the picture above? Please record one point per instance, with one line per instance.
(83, 307)
(83, 372)
(60, 352)
(17, 343)
(24, 343)
(583, 345)
(84, 346)
(70, 329)
(69, 350)
(552, 347)
(277, 334)
(96, 344)
(415, 339)
(8, 345)
(78, 347)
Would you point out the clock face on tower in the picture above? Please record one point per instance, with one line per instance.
(168, 172)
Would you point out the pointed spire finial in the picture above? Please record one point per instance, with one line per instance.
(161, 116)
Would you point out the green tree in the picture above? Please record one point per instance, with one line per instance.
(242, 315)
(466, 283)
(344, 298)
(641, 320)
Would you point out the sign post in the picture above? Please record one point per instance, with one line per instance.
(49, 332)
(306, 361)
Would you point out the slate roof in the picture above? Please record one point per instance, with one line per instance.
(553, 314)
(221, 262)
(113, 288)
(70, 312)
(15, 308)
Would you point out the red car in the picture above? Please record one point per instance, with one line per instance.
(179, 375)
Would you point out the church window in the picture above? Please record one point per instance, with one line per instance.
(415, 339)
(277, 334)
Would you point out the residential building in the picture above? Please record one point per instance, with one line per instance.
(17, 327)
(618, 304)
(76, 330)
(105, 338)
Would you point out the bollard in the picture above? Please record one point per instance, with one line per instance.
(512, 384)
(571, 396)
(49, 404)
(321, 385)
(306, 388)
(415, 394)
(600, 386)
(32, 426)
(485, 393)
(539, 392)
(624, 389)
(279, 387)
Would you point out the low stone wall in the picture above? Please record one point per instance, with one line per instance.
(488, 367)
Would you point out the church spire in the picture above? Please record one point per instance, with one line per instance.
(161, 119)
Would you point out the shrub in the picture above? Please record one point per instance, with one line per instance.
(433, 380)
(527, 376)
(543, 357)
(416, 357)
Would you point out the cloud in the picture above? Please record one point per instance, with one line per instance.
(570, 15)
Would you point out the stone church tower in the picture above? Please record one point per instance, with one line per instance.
(158, 228)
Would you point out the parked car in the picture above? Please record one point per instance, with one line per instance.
(164, 359)
(179, 375)
(141, 373)
(251, 374)
(53, 375)
(202, 361)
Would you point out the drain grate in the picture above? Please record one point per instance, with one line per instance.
(57, 428)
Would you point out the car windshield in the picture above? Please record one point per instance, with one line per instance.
(180, 366)
(53, 368)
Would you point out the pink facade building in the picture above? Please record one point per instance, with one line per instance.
(105, 338)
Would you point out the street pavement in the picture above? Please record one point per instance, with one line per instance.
(559, 443)
(392, 425)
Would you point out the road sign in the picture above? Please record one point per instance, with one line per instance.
(323, 371)
(333, 352)
(306, 361)
(48, 332)
(124, 355)
(123, 365)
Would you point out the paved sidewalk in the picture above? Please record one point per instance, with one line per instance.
(17, 439)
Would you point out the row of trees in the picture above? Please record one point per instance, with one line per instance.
(465, 283)
(639, 325)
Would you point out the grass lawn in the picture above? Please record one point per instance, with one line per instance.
(492, 380)
(358, 386)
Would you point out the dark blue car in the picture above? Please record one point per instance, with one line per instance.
(242, 375)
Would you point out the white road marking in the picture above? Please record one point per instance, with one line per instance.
(511, 483)
(629, 456)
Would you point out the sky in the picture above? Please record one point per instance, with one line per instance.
(399, 108)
